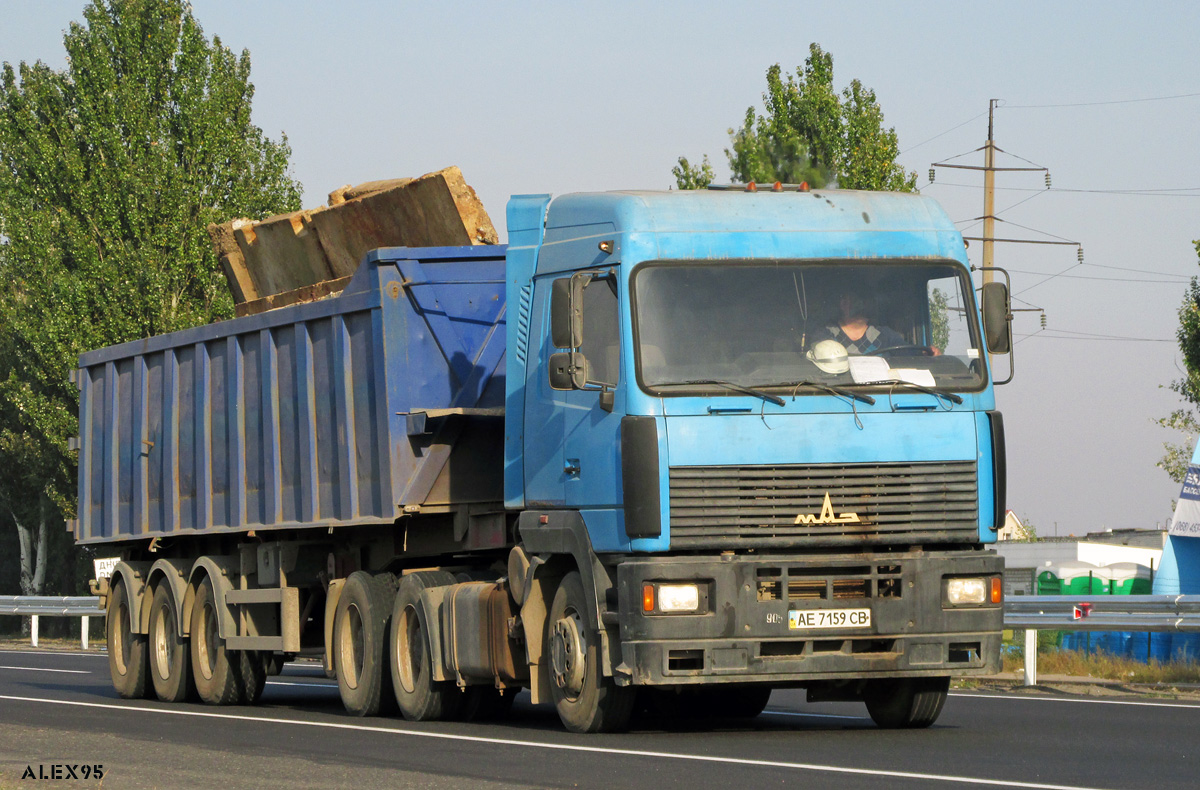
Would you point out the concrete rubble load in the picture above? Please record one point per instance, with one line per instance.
(312, 253)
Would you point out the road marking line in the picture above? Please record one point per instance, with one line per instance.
(310, 685)
(43, 669)
(812, 715)
(1071, 699)
(100, 654)
(699, 758)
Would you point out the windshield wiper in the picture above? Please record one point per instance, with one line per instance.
(827, 388)
(950, 396)
(729, 385)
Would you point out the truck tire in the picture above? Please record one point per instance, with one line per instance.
(420, 697)
(586, 700)
(252, 669)
(127, 654)
(906, 703)
(214, 667)
(360, 659)
(170, 659)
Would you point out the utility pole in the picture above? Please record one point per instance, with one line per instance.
(989, 197)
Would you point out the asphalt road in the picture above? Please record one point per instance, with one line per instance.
(58, 709)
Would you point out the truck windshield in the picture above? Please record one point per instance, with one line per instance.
(773, 325)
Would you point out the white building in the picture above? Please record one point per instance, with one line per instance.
(1023, 560)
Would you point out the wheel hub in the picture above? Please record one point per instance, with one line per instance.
(567, 655)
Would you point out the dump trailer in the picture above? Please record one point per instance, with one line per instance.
(673, 449)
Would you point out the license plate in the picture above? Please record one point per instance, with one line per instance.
(829, 618)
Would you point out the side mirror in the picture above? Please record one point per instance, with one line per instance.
(568, 370)
(997, 318)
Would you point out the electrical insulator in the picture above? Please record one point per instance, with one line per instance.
(1047, 179)
(1079, 254)
(1043, 320)
(932, 173)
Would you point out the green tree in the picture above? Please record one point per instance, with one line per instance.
(1176, 457)
(689, 176)
(109, 172)
(810, 132)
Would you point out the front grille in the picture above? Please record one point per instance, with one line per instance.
(823, 505)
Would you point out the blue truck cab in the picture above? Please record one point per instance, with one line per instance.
(677, 448)
(762, 512)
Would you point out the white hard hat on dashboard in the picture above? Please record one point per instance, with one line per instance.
(830, 356)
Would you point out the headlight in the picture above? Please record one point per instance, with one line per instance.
(678, 597)
(961, 592)
(674, 598)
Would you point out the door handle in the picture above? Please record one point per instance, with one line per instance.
(571, 467)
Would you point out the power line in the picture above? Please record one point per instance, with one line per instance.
(1153, 192)
(1140, 271)
(1104, 279)
(942, 134)
(1047, 334)
(1096, 103)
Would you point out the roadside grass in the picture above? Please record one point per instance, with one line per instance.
(1104, 666)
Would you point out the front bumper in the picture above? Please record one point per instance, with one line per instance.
(744, 636)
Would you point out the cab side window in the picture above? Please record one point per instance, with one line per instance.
(601, 338)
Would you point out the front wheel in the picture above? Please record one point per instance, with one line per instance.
(906, 703)
(586, 700)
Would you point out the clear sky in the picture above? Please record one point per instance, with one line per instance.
(562, 97)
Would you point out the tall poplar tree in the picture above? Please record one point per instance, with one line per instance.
(110, 169)
(808, 131)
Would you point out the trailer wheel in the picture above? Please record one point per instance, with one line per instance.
(359, 630)
(126, 650)
(586, 700)
(213, 669)
(252, 669)
(170, 661)
(420, 697)
(906, 703)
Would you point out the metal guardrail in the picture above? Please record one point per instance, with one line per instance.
(35, 606)
(1104, 612)
(1156, 613)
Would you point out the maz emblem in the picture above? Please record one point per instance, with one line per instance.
(827, 516)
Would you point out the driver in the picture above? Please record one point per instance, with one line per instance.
(854, 331)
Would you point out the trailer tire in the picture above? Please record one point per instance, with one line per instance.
(360, 659)
(419, 696)
(252, 670)
(127, 654)
(906, 703)
(586, 700)
(214, 670)
(170, 657)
